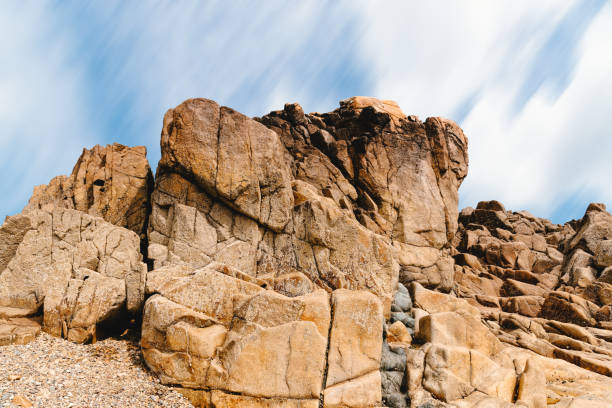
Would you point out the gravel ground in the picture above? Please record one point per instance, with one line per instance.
(51, 372)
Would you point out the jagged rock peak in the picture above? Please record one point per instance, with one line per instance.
(112, 182)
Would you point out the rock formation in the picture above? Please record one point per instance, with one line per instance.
(302, 208)
(315, 260)
(75, 269)
(112, 182)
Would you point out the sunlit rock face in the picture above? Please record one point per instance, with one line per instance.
(72, 261)
(69, 270)
(315, 260)
(356, 198)
(112, 182)
(303, 225)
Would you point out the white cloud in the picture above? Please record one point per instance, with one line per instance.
(105, 72)
(108, 71)
(553, 149)
(431, 59)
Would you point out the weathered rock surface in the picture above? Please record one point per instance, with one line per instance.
(76, 270)
(290, 209)
(539, 286)
(210, 329)
(112, 182)
(348, 198)
(456, 359)
(315, 260)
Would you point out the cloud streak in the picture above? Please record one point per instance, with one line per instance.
(527, 81)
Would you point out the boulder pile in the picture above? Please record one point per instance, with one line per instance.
(315, 260)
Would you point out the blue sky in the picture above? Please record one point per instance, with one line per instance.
(529, 82)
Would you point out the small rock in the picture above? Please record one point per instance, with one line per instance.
(404, 318)
(402, 302)
(398, 333)
(22, 401)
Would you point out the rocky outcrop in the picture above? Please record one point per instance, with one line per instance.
(75, 270)
(303, 224)
(457, 358)
(315, 260)
(211, 329)
(539, 286)
(355, 199)
(112, 182)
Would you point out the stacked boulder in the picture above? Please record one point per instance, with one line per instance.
(540, 286)
(455, 359)
(314, 260)
(279, 242)
(275, 245)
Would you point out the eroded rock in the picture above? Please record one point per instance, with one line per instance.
(76, 270)
(112, 182)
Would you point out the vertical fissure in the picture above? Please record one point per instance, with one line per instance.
(329, 333)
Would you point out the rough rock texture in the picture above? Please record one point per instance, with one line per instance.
(112, 182)
(76, 270)
(315, 260)
(211, 329)
(456, 359)
(355, 198)
(316, 217)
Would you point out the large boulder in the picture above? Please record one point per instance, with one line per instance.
(347, 198)
(214, 327)
(255, 222)
(78, 271)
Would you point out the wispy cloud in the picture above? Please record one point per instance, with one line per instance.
(528, 81)
(107, 71)
(44, 124)
(520, 77)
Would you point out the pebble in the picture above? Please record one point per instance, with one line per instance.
(55, 373)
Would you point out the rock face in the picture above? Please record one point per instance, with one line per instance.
(539, 286)
(112, 182)
(357, 198)
(303, 224)
(315, 260)
(75, 269)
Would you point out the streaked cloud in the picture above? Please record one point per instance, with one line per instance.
(522, 80)
(528, 81)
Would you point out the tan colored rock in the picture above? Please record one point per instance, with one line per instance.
(78, 269)
(356, 336)
(364, 391)
(434, 302)
(18, 330)
(532, 386)
(398, 333)
(22, 401)
(296, 347)
(229, 168)
(524, 305)
(595, 227)
(254, 222)
(223, 400)
(452, 373)
(231, 156)
(293, 284)
(112, 182)
(447, 372)
(228, 328)
(454, 329)
(512, 287)
(568, 308)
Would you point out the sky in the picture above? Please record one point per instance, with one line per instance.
(529, 82)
